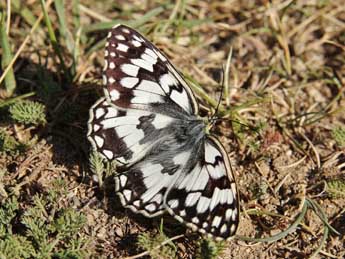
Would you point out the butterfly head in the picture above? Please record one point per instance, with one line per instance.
(210, 122)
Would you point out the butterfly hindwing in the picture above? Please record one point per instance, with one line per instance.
(142, 186)
(138, 75)
(205, 197)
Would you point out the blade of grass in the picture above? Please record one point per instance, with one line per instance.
(108, 25)
(8, 21)
(282, 37)
(199, 91)
(308, 203)
(226, 78)
(133, 23)
(93, 14)
(67, 35)
(321, 214)
(76, 13)
(10, 81)
(76, 52)
(63, 28)
(103, 25)
(282, 234)
(15, 99)
(23, 11)
(146, 17)
(97, 46)
(60, 10)
(33, 29)
(53, 40)
(172, 16)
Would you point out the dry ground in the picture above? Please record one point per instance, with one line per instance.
(284, 131)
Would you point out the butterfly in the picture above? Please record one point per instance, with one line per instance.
(148, 123)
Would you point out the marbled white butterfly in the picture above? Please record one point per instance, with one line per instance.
(148, 123)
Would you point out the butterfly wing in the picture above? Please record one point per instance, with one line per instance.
(137, 75)
(205, 198)
(125, 135)
(144, 94)
(142, 186)
(145, 97)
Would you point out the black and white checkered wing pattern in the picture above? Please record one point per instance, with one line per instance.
(137, 75)
(206, 198)
(143, 186)
(148, 122)
(124, 135)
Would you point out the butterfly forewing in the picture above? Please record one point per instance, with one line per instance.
(125, 135)
(138, 75)
(148, 123)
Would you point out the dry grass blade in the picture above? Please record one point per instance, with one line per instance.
(226, 78)
(22, 46)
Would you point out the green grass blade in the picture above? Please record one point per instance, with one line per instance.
(134, 23)
(102, 26)
(76, 13)
(10, 81)
(9, 101)
(282, 234)
(53, 40)
(23, 11)
(63, 27)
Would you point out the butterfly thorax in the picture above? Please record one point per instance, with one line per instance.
(183, 134)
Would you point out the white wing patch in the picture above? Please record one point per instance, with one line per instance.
(143, 64)
(144, 97)
(129, 82)
(166, 81)
(136, 43)
(114, 95)
(130, 69)
(150, 87)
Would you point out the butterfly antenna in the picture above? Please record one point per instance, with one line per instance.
(214, 115)
(225, 87)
